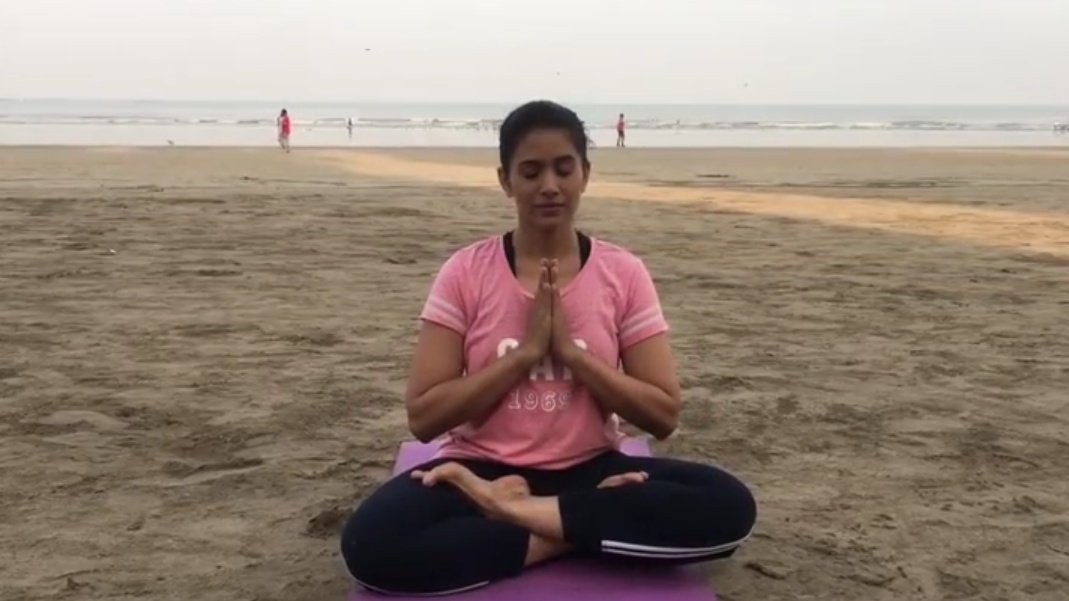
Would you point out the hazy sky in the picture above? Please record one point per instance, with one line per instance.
(722, 51)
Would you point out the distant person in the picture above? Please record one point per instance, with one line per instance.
(620, 131)
(285, 127)
(349, 126)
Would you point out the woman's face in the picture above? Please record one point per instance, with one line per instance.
(546, 178)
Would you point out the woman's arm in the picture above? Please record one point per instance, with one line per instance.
(440, 398)
(645, 394)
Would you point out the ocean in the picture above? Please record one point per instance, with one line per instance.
(207, 123)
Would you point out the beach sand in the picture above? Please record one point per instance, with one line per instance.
(203, 352)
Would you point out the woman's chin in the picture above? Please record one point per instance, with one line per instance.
(549, 220)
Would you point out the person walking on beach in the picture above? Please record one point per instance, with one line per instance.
(620, 131)
(285, 127)
(349, 126)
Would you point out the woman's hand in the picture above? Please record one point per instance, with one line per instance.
(538, 340)
(563, 346)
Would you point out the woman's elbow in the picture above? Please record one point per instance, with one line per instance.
(423, 436)
(418, 424)
(421, 430)
(665, 428)
(669, 419)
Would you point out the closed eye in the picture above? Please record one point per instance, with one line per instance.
(564, 166)
(530, 169)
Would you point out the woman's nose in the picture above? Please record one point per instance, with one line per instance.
(550, 185)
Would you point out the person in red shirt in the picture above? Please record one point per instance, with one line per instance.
(284, 129)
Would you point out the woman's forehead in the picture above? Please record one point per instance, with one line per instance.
(545, 144)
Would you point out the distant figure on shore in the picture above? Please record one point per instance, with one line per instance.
(349, 126)
(285, 127)
(1061, 128)
(620, 132)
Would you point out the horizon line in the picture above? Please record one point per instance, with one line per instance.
(515, 102)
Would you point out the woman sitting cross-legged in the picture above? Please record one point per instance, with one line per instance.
(533, 344)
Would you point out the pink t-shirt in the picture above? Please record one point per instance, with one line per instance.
(548, 420)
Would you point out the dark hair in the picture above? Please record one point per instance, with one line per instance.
(540, 114)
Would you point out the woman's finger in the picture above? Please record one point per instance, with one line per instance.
(427, 478)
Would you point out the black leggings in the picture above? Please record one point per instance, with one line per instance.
(410, 539)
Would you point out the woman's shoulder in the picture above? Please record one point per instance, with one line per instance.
(478, 254)
(616, 255)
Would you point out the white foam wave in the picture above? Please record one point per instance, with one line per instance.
(493, 124)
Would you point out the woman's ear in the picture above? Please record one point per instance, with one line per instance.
(503, 180)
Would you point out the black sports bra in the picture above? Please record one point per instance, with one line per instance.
(584, 250)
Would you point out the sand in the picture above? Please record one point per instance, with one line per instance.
(202, 355)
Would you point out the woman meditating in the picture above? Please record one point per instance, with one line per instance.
(532, 345)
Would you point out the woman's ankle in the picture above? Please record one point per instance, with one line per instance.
(538, 515)
(541, 549)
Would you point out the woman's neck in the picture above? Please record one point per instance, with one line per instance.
(557, 243)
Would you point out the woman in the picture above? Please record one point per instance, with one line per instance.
(518, 366)
(285, 126)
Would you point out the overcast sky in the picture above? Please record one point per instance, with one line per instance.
(717, 51)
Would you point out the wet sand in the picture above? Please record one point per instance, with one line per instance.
(203, 351)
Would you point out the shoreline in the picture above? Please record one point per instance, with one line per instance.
(462, 148)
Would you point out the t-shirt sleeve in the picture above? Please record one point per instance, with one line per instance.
(641, 317)
(445, 304)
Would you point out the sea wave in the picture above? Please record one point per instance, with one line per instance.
(493, 124)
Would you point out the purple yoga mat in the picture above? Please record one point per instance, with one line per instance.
(571, 579)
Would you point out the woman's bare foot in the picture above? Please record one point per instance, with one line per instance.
(622, 479)
(491, 496)
(512, 487)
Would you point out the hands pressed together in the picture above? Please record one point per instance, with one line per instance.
(547, 323)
